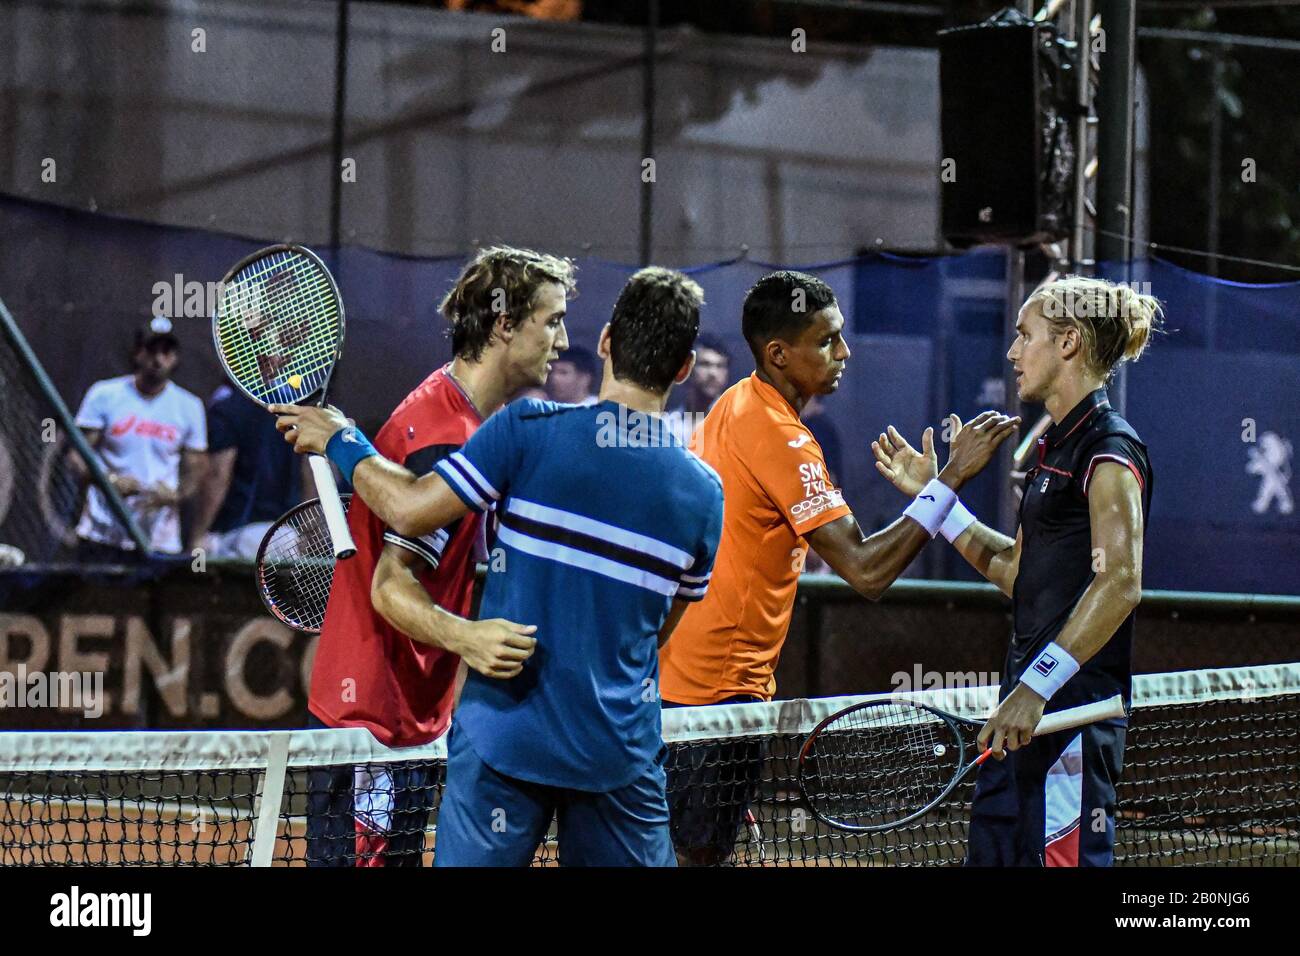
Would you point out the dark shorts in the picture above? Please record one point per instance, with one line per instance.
(373, 815)
(489, 819)
(1051, 803)
(710, 787)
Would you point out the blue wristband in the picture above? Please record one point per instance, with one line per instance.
(347, 448)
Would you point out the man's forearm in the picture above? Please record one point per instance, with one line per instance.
(403, 602)
(870, 564)
(386, 487)
(76, 464)
(1109, 599)
(191, 479)
(214, 490)
(672, 620)
(989, 552)
(889, 552)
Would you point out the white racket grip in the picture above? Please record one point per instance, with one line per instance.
(332, 507)
(1078, 716)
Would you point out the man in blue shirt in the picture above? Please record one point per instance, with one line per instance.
(607, 529)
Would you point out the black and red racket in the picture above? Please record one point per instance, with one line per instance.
(883, 763)
(295, 565)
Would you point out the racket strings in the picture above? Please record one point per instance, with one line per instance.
(296, 568)
(879, 764)
(278, 326)
(286, 308)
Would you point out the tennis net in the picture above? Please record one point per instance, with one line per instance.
(1211, 777)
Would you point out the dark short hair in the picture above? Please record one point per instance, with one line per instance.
(498, 280)
(655, 322)
(770, 308)
(713, 344)
(583, 360)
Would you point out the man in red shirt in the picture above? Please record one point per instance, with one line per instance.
(507, 315)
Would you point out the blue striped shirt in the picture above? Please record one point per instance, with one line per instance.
(602, 520)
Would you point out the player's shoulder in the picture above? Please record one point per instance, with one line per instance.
(535, 419)
(185, 399)
(760, 417)
(538, 409)
(1112, 438)
(1111, 429)
(704, 474)
(435, 392)
(110, 387)
(434, 412)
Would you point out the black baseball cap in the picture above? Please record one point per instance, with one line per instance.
(157, 331)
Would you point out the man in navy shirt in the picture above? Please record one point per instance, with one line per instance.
(1074, 576)
(607, 529)
(252, 477)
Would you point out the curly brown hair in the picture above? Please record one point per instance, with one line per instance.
(500, 280)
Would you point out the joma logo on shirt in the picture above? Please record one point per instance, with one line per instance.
(143, 428)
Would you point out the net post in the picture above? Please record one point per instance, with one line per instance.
(270, 797)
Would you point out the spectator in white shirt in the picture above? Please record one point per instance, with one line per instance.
(151, 436)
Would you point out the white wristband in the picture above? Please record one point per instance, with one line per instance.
(1048, 672)
(931, 506)
(958, 520)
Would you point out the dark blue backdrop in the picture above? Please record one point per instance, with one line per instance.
(926, 338)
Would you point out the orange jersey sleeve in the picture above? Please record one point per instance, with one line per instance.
(791, 470)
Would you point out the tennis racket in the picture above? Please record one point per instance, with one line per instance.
(883, 763)
(295, 566)
(278, 329)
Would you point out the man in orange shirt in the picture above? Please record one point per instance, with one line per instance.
(778, 501)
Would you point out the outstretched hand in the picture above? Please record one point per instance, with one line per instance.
(973, 444)
(907, 469)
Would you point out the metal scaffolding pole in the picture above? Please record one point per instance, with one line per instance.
(1008, 505)
(340, 107)
(1116, 118)
(648, 131)
(1081, 14)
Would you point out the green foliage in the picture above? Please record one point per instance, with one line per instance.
(1259, 118)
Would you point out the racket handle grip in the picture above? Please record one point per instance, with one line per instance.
(336, 522)
(1078, 716)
